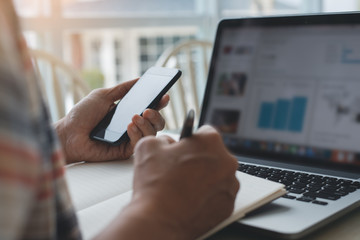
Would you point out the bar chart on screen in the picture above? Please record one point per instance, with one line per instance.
(283, 114)
(279, 111)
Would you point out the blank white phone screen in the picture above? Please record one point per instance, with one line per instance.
(135, 102)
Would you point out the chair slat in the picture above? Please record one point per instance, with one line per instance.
(60, 99)
(186, 91)
(192, 79)
(181, 87)
(205, 60)
(72, 85)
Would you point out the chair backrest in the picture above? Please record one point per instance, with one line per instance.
(192, 58)
(60, 84)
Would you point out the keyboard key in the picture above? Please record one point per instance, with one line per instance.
(348, 189)
(313, 189)
(341, 194)
(305, 199)
(320, 202)
(296, 190)
(312, 184)
(262, 175)
(274, 179)
(289, 196)
(285, 182)
(330, 188)
(299, 185)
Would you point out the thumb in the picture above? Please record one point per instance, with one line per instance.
(119, 91)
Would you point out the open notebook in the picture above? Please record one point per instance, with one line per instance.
(101, 190)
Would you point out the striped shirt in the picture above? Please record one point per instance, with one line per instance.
(34, 199)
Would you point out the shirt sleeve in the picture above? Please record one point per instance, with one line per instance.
(34, 199)
(19, 159)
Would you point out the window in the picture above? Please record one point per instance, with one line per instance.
(138, 8)
(152, 47)
(120, 39)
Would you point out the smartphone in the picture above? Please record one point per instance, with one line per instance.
(146, 93)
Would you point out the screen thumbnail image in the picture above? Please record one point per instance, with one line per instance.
(232, 84)
(226, 121)
(340, 107)
(343, 105)
(241, 50)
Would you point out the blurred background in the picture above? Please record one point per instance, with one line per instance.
(119, 39)
(111, 41)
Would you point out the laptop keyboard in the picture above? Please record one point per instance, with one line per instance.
(305, 187)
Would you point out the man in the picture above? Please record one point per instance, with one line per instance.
(181, 189)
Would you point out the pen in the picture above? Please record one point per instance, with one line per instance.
(188, 125)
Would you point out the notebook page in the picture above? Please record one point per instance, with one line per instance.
(255, 190)
(253, 193)
(91, 183)
(95, 218)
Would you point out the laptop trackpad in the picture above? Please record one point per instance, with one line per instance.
(268, 209)
(282, 217)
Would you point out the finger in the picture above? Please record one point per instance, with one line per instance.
(163, 102)
(234, 186)
(166, 139)
(119, 91)
(144, 125)
(207, 129)
(134, 134)
(155, 118)
(150, 144)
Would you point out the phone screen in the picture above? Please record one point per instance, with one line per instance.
(145, 93)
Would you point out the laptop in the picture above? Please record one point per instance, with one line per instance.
(284, 92)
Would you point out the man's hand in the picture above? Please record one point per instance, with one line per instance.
(181, 190)
(74, 129)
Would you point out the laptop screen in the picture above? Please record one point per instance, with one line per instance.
(287, 88)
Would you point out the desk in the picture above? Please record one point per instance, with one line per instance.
(108, 179)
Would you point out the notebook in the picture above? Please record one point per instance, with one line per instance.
(102, 190)
(285, 94)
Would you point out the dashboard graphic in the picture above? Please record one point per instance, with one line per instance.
(283, 114)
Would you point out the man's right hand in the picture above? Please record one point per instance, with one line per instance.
(184, 187)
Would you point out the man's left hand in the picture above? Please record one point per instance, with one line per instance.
(75, 127)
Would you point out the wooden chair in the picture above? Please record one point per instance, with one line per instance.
(192, 58)
(60, 84)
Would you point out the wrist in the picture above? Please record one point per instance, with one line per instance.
(160, 224)
(60, 129)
